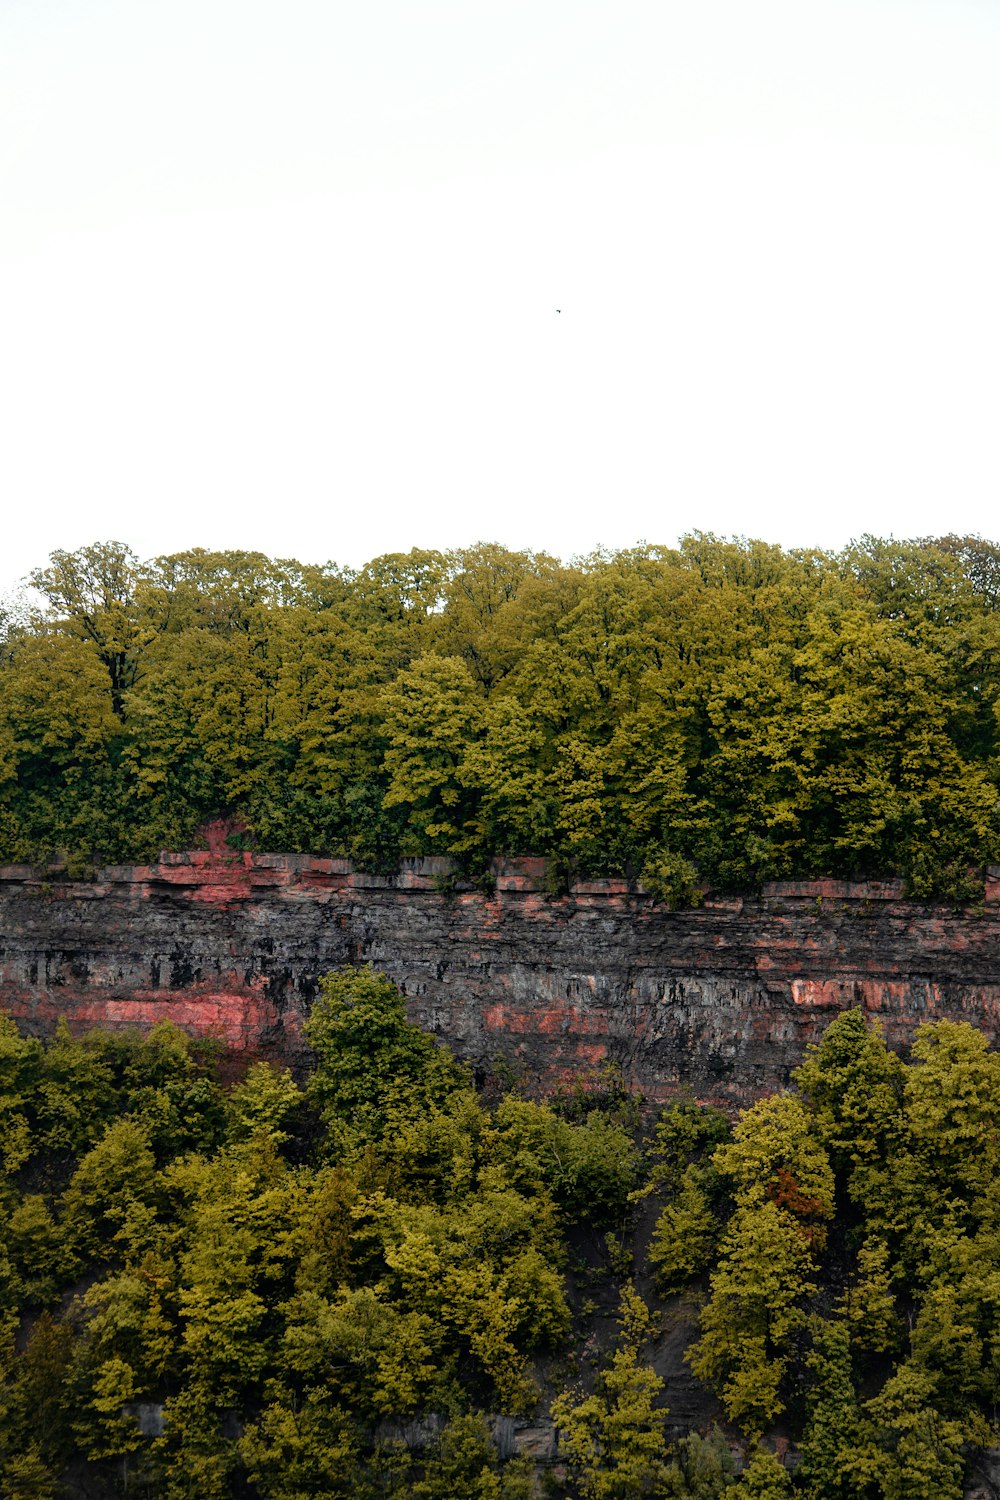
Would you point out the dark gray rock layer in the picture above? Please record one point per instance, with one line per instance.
(720, 1000)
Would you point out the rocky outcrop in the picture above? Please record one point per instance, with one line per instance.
(720, 1000)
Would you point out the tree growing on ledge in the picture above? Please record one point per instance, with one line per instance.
(374, 1069)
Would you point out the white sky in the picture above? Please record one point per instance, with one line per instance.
(286, 276)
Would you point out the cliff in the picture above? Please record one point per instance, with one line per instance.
(720, 1000)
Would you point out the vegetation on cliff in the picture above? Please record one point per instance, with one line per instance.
(210, 1291)
(722, 712)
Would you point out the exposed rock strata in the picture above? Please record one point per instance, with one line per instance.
(721, 1000)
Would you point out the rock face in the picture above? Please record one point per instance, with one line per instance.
(720, 1000)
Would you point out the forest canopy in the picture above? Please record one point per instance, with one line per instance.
(249, 1290)
(720, 713)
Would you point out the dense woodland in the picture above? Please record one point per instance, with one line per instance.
(716, 714)
(282, 1271)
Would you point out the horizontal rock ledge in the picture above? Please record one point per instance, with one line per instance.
(600, 981)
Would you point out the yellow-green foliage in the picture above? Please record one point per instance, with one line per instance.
(287, 1272)
(291, 1264)
(614, 1438)
(721, 712)
(860, 1265)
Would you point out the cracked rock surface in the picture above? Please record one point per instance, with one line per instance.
(720, 1000)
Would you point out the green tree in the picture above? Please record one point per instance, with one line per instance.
(293, 1450)
(764, 1478)
(108, 1206)
(372, 1065)
(26, 1476)
(63, 743)
(754, 1312)
(613, 1439)
(775, 1154)
(833, 1423)
(265, 1102)
(198, 723)
(432, 712)
(702, 1467)
(854, 1086)
(905, 1447)
(96, 594)
(686, 1233)
(590, 1168)
(494, 604)
(463, 1461)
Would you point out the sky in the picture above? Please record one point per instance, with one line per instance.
(330, 279)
